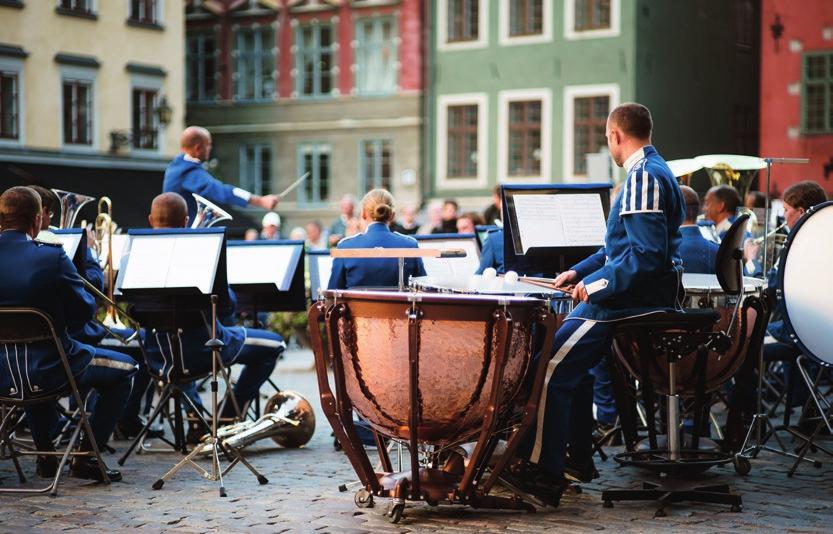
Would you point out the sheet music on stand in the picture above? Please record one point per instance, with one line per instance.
(320, 267)
(547, 228)
(451, 267)
(182, 261)
(267, 275)
(119, 243)
(75, 245)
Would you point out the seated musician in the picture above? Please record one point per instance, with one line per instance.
(43, 277)
(638, 271)
(697, 252)
(492, 253)
(257, 350)
(721, 205)
(377, 213)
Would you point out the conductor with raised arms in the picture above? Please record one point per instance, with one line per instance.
(185, 175)
(638, 271)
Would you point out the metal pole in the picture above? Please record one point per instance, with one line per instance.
(673, 413)
(401, 274)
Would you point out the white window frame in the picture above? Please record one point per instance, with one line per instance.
(153, 83)
(517, 95)
(481, 100)
(571, 34)
(15, 65)
(482, 40)
(571, 92)
(503, 30)
(84, 74)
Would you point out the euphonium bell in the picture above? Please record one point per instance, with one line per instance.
(288, 419)
(208, 213)
(730, 169)
(71, 204)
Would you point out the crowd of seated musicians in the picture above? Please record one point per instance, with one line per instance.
(43, 277)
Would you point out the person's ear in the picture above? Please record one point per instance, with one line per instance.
(185, 222)
(150, 220)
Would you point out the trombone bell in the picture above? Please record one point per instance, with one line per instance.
(208, 213)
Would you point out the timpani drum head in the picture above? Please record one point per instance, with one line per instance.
(806, 284)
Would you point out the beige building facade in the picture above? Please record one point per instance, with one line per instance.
(91, 93)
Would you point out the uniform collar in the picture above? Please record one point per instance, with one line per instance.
(16, 235)
(377, 227)
(186, 157)
(637, 156)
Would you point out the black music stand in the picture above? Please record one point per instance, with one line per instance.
(573, 217)
(74, 241)
(165, 297)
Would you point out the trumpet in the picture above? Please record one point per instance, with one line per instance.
(775, 232)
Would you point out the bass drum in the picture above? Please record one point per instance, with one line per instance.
(806, 286)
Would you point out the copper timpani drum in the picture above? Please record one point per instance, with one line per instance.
(433, 371)
(704, 291)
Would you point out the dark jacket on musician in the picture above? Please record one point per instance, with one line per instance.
(186, 175)
(492, 253)
(697, 252)
(91, 332)
(639, 269)
(41, 275)
(348, 273)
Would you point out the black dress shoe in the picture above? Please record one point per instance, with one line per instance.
(130, 428)
(87, 468)
(46, 466)
(580, 471)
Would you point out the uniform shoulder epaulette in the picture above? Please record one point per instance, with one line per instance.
(46, 243)
(343, 239)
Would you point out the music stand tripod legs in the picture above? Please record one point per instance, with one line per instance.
(216, 444)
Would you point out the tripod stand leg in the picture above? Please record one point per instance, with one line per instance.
(238, 457)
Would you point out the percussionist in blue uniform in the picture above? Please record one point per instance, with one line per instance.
(492, 253)
(42, 276)
(377, 213)
(697, 252)
(638, 271)
(185, 175)
(257, 350)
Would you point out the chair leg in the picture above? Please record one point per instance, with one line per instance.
(166, 393)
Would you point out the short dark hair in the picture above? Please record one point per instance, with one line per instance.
(633, 119)
(168, 210)
(758, 199)
(804, 194)
(452, 202)
(48, 199)
(475, 218)
(692, 203)
(19, 208)
(728, 195)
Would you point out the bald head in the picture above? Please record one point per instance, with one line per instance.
(692, 204)
(20, 209)
(196, 142)
(168, 210)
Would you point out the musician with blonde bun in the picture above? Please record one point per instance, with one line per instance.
(377, 213)
(185, 175)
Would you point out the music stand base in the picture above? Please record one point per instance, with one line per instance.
(668, 493)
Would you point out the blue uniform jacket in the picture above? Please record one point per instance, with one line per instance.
(492, 253)
(185, 177)
(360, 272)
(197, 357)
(697, 252)
(41, 276)
(639, 268)
(92, 332)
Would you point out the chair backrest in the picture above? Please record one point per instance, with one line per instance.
(729, 260)
(21, 325)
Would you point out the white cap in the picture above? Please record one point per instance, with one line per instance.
(271, 219)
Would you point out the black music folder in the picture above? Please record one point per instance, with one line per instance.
(74, 241)
(267, 275)
(548, 228)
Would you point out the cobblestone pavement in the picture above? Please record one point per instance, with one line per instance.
(302, 496)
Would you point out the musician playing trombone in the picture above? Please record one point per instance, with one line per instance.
(638, 271)
(185, 175)
(43, 277)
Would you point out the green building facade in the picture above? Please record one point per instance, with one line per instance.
(518, 90)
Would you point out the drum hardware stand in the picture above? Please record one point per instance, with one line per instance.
(756, 437)
(824, 408)
(217, 445)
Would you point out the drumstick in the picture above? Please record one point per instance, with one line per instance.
(295, 184)
(541, 282)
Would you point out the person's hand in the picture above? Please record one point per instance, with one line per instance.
(566, 278)
(267, 202)
(580, 293)
(91, 242)
(751, 249)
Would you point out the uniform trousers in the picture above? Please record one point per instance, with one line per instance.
(565, 406)
(110, 374)
(603, 392)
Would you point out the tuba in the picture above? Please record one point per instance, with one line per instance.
(683, 169)
(287, 418)
(71, 204)
(208, 213)
(736, 171)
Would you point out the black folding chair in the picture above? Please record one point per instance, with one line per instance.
(21, 327)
